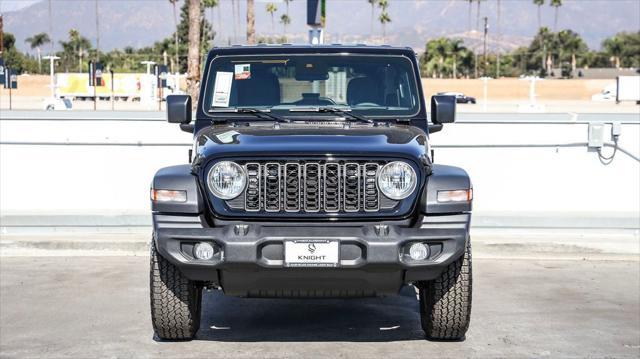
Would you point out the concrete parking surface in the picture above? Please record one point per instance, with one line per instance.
(98, 307)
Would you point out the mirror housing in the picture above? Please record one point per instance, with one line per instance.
(443, 109)
(179, 109)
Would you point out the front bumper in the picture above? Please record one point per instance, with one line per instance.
(251, 261)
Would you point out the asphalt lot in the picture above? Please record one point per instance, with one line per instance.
(98, 307)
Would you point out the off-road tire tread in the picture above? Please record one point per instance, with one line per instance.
(445, 302)
(175, 300)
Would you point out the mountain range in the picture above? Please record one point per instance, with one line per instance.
(141, 22)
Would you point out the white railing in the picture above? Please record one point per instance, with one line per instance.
(527, 169)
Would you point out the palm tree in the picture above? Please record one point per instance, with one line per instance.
(210, 4)
(499, 38)
(81, 54)
(50, 28)
(478, 15)
(384, 17)
(97, 34)
(547, 42)
(437, 52)
(235, 20)
(175, 37)
(539, 4)
(614, 47)
(285, 20)
(457, 50)
(251, 23)
(193, 58)
(556, 5)
(570, 43)
(271, 8)
(286, 3)
(469, 19)
(373, 5)
(36, 41)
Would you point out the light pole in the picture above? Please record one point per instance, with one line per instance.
(486, 30)
(149, 64)
(148, 95)
(52, 84)
(485, 84)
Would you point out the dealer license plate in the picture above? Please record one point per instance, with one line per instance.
(311, 253)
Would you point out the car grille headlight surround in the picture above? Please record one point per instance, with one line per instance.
(226, 180)
(397, 180)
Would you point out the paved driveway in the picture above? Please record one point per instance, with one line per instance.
(98, 307)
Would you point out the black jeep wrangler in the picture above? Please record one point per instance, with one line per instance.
(311, 176)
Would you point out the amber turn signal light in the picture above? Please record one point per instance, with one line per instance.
(167, 195)
(461, 195)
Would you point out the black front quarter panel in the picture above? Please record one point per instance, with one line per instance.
(178, 178)
(445, 178)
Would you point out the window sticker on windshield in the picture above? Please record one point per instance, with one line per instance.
(242, 71)
(222, 89)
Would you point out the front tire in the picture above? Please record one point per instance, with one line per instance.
(445, 302)
(175, 300)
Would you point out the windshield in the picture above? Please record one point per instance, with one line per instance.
(372, 86)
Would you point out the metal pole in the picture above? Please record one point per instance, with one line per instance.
(112, 92)
(475, 63)
(52, 84)
(97, 35)
(1, 34)
(7, 75)
(484, 90)
(486, 30)
(499, 39)
(50, 31)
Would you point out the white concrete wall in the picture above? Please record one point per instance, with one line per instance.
(512, 182)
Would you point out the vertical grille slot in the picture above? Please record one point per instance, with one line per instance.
(252, 194)
(371, 196)
(332, 187)
(351, 187)
(272, 187)
(292, 180)
(312, 187)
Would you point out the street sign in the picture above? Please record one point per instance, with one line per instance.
(95, 74)
(161, 72)
(11, 79)
(2, 71)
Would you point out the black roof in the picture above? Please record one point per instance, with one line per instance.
(309, 49)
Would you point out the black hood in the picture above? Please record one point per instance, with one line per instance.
(269, 140)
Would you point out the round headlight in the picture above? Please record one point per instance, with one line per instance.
(397, 180)
(226, 180)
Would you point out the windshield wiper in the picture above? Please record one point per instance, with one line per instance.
(328, 109)
(264, 114)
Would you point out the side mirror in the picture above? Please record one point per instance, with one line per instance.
(179, 109)
(443, 109)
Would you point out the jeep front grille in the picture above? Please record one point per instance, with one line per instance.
(312, 187)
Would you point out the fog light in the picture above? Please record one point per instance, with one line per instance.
(203, 250)
(418, 251)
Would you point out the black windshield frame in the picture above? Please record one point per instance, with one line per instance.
(380, 112)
